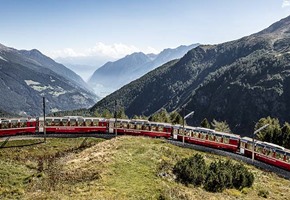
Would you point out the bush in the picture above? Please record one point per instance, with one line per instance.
(215, 178)
(191, 170)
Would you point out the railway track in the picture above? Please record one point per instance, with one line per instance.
(280, 172)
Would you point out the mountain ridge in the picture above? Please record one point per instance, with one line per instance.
(26, 76)
(239, 81)
(132, 67)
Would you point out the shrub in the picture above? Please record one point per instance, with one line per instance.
(218, 176)
(191, 170)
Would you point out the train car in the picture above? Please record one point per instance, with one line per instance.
(10, 127)
(74, 124)
(207, 137)
(156, 129)
(266, 152)
(140, 128)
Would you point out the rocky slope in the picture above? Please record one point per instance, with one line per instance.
(238, 81)
(27, 76)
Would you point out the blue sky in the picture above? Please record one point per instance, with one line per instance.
(113, 28)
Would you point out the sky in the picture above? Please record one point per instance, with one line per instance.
(92, 32)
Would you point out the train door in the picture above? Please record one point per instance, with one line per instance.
(175, 132)
(111, 125)
(40, 125)
(243, 146)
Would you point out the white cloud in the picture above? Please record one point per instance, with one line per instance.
(285, 3)
(101, 49)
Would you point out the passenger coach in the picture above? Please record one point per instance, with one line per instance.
(266, 152)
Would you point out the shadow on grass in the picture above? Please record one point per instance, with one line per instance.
(19, 143)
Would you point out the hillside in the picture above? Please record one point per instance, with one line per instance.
(120, 168)
(27, 76)
(114, 75)
(239, 81)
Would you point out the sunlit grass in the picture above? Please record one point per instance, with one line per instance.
(121, 168)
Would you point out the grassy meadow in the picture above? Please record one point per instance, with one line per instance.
(120, 168)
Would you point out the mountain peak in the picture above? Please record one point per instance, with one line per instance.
(282, 26)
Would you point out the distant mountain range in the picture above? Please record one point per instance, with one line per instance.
(114, 75)
(27, 76)
(238, 81)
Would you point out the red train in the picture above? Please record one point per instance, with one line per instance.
(266, 152)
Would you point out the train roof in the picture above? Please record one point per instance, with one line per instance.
(231, 135)
(17, 119)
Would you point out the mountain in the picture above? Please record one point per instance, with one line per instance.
(114, 75)
(238, 81)
(60, 69)
(27, 76)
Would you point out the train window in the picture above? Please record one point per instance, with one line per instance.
(88, 122)
(268, 152)
(218, 138)
(14, 123)
(56, 122)
(81, 122)
(125, 124)
(195, 134)
(73, 122)
(48, 122)
(168, 130)
(65, 122)
(279, 156)
(146, 127)
(160, 128)
(249, 146)
(260, 149)
(5, 124)
(243, 145)
(181, 131)
(202, 136)
(131, 126)
(95, 122)
(23, 123)
(118, 125)
(139, 126)
(226, 140)
(175, 131)
(153, 128)
(288, 158)
(211, 137)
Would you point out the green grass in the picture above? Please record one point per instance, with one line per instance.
(121, 168)
(19, 166)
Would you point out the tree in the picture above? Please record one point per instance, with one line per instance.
(107, 114)
(205, 123)
(272, 133)
(286, 135)
(161, 116)
(96, 114)
(176, 118)
(121, 114)
(222, 126)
